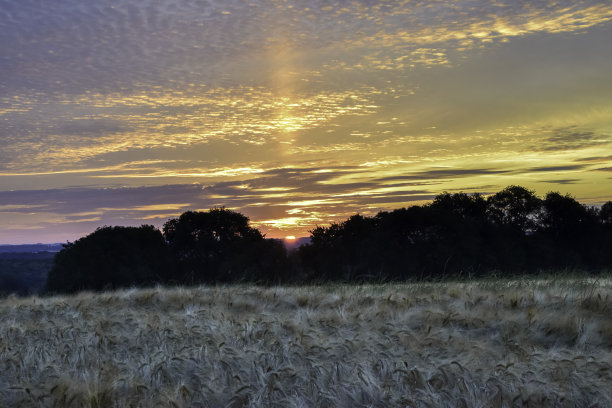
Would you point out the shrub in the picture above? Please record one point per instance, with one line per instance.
(111, 257)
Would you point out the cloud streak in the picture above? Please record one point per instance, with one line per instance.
(280, 201)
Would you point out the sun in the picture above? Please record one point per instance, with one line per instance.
(290, 238)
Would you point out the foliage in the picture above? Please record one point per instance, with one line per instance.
(111, 257)
(515, 207)
(457, 234)
(510, 232)
(220, 246)
(605, 213)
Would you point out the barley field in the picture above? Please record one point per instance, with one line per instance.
(527, 343)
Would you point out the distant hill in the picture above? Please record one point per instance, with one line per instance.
(296, 243)
(30, 248)
(24, 268)
(24, 273)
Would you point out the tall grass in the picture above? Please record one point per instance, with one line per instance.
(489, 343)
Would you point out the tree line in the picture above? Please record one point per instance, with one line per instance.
(456, 235)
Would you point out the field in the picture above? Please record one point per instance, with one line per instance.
(501, 343)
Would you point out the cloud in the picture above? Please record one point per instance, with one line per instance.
(306, 196)
(571, 138)
(290, 187)
(435, 174)
(136, 76)
(291, 111)
(595, 159)
(548, 169)
(53, 136)
(280, 201)
(89, 127)
(69, 201)
(108, 46)
(561, 181)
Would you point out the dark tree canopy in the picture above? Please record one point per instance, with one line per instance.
(563, 215)
(606, 213)
(219, 246)
(111, 257)
(461, 204)
(457, 234)
(515, 207)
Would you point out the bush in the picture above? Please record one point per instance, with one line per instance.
(111, 257)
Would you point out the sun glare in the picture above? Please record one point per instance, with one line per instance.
(290, 238)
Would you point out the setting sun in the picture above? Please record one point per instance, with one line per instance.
(290, 237)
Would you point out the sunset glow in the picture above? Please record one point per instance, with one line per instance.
(294, 113)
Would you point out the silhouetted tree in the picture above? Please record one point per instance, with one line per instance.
(512, 231)
(463, 205)
(515, 207)
(463, 234)
(563, 216)
(400, 237)
(356, 247)
(322, 258)
(267, 262)
(218, 246)
(565, 231)
(604, 240)
(605, 213)
(110, 257)
(457, 234)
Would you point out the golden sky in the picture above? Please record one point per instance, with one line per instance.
(295, 113)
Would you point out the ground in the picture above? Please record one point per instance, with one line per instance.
(488, 343)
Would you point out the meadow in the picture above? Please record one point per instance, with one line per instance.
(488, 343)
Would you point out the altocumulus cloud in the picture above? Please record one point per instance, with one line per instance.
(77, 46)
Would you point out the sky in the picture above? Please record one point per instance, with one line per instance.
(296, 113)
